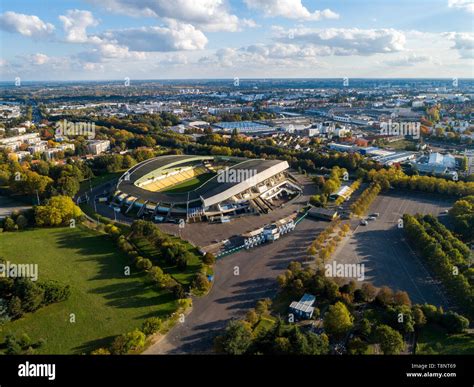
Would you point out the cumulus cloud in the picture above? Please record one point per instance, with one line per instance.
(75, 24)
(26, 25)
(463, 42)
(209, 15)
(108, 51)
(174, 37)
(465, 5)
(346, 41)
(290, 9)
(260, 55)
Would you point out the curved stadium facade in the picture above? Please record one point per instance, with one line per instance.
(204, 187)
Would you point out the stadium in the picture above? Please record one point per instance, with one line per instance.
(204, 188)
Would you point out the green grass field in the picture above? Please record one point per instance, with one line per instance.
(183, 277)
(400, 145)
(434, 340)
(105, 301)
(190, 184)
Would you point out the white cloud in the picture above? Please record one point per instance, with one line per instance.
(465, 5)
(351, 41)
(108, 51)
(75, 24)
(38, 59)
(410, 60)
(290, 9)
(174, 37)
(93, 67)
(26, 25)
(209, 15)
(463, 42)
(260, 56)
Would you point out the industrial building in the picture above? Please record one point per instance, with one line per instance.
(303, 308)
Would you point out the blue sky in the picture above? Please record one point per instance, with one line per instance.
(113, 39)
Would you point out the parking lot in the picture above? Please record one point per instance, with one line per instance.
(204, 234)
(233, 295)
(381, 247)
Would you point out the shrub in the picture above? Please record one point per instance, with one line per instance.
(54, 292)
(151, 325)
(128, 342)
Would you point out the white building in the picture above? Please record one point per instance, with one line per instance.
(96, 147)
(14, 142)
(342, 132)
(447, 161)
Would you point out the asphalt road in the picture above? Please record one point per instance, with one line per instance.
(8, 206)
(381, 247)
(233, 295)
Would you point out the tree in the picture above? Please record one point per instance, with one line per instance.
(419, 316)
(159, 278)
(144, 264)
(282, 346)
(236, 339)
(128, 342)
(209, 259)
(30, 182)
(68, 185)
(201, 282)
(21, 222)
(338, 320)
(401, 298)
(12, 346)
(357, 346)
(454, 322)
(30, 294)
(391, 342)
(385, 296)
(58, 211)
(9, 224)
(364, 327)
(15, 309)
(262, 306)
(151, 325)
(54, 291)
(252, 317)
(369, 291)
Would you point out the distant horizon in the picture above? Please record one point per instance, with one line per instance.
(240, 78)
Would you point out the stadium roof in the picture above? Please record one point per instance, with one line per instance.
(211, 192)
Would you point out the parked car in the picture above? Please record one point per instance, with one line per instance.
(364, 222)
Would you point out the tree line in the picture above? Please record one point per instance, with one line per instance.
(446, 256)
